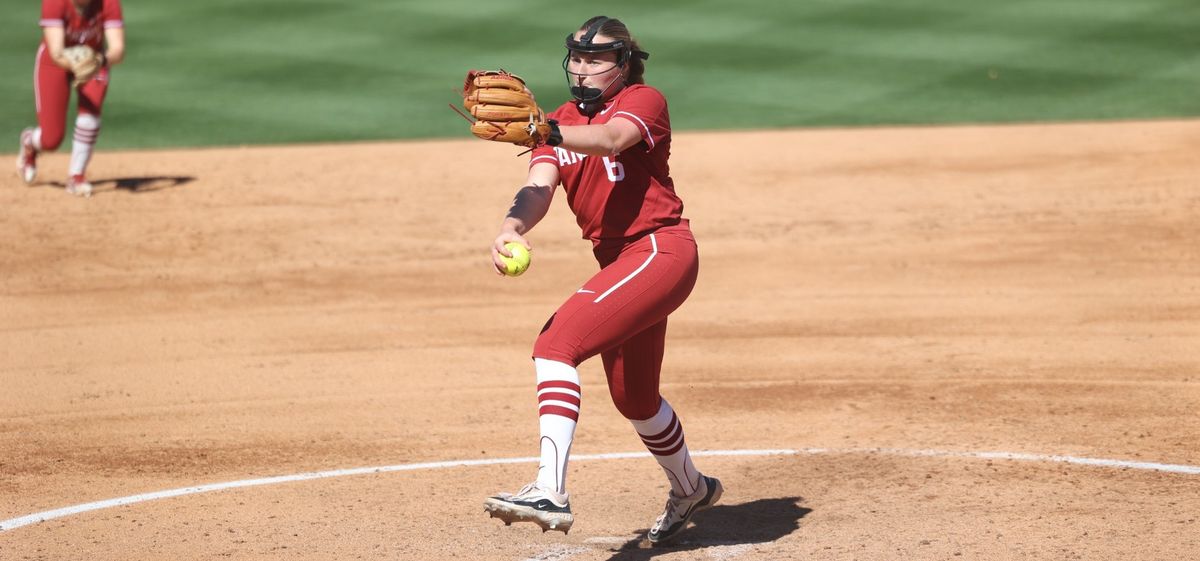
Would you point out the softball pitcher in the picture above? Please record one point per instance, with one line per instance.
(81, 40)
(609, 149)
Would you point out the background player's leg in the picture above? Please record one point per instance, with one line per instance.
(87, 130)
(51, 92)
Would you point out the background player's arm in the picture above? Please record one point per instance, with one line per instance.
(608, 139)
(529, 206)
(114, 45)
(55, 38)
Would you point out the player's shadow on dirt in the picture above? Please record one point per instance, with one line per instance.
(761, 521)
(138, 185)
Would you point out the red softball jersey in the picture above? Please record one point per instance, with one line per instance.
(86, 28)
(616, 199)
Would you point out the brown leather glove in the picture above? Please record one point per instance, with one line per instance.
(504, 109)
(85, 63)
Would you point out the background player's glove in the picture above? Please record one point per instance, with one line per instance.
(85, 63)
(504, 109)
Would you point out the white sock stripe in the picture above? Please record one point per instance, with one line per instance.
(575, 393)
(662, 449)
(672, 430)
(87, 132)
(562, 404)
(665, 443)
(660, 427)
(81, 149)
(636, 272)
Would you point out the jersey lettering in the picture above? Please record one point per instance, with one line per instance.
(566, 157)
(83, 36)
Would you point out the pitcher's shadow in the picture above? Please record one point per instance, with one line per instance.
(142, 184)
(761, 521)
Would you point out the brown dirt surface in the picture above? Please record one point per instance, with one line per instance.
(875, 300)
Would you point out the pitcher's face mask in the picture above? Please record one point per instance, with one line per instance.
(582, 62)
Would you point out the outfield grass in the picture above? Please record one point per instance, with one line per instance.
(227, 72)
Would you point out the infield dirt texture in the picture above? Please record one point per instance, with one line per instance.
(901, 308)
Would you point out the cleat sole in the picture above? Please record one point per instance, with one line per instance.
(509, 513)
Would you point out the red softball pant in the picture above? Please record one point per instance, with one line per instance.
(52, 92)
(621, 314)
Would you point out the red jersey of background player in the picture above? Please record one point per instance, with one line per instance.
(85, 28)
(616, 198)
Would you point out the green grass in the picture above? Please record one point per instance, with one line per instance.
(227, 72)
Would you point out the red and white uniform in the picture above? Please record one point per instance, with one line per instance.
(620, 198)
(82, 28)
(52, 85)
(627, 206)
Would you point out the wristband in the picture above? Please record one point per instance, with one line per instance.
(555, 137)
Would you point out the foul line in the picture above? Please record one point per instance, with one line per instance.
(14, 523)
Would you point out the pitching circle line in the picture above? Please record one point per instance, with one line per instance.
(35, 518)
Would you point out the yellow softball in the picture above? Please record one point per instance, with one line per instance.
(519, 262)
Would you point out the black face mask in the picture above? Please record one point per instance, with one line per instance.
(591, 96)
(586, 95)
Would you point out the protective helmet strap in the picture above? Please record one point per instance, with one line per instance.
(593, 29)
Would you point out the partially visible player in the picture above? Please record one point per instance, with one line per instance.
(609, 150)
(65, 23)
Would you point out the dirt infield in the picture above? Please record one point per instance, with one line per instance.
(889, 306)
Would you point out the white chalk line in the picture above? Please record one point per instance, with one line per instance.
(557, 553)
(18, 522)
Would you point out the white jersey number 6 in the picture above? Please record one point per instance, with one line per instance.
(616, 171)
